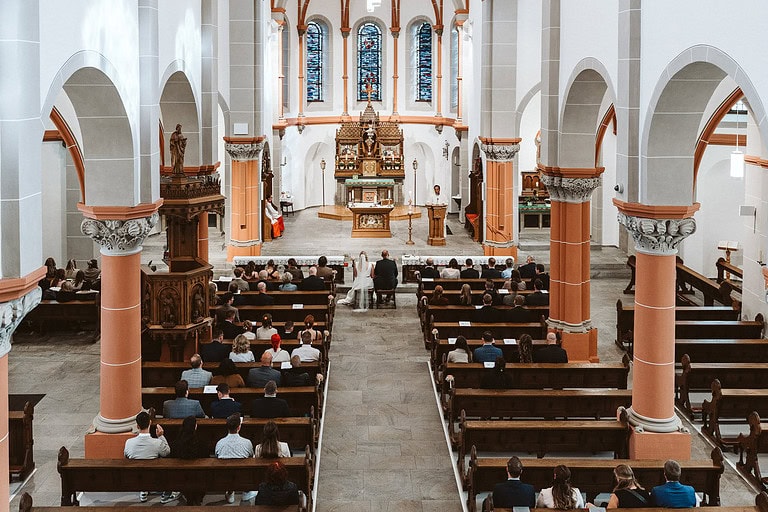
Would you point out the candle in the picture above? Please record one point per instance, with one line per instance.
(410, 196)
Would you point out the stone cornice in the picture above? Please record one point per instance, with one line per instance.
(660, 237)
(244, 151)
(570, 190)
(119, 237)
(500, 150)
(12, 313)
(656, 211)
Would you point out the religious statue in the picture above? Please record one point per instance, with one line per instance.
(370, 139)
(168, 310)
(178, 145)
(199, 307)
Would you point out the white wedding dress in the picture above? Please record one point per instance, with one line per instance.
(362, 283)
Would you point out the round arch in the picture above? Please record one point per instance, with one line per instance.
(179, 105)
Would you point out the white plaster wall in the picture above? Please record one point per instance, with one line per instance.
(223, 60)
(529, 47)
(530, 124)
(179, 40)
(53, 161)
(610, 227)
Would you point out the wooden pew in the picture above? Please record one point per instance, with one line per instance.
(160, 373)
(52, 315)
(681, 299)
(426, 285)
(439, 348)
(534, 403)
(209, 475)
(723, 350)
(488, 507)
(541, 437)
(288, 298)
(594, 476)
(300, 399)
(536, 330)
(298, 432)
(699, 376)
(283, 312)
(453, 296)
(729, 404)
(751, 445)
(259, 346)
(455, 313)
(21, 442)
(724, 267)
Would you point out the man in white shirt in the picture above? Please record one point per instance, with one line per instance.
(234, 446)
(145, 447)
(435, 198)
(306, 352)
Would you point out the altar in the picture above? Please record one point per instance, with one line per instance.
(370, 190)
(370, 220)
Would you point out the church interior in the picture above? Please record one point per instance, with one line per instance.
(159, 144)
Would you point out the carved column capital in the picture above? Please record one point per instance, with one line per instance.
(570, 190)
(659, 237)
(12, 313)
(500, 152)
(119, 237)
(244, 152)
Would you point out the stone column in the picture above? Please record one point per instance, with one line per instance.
(149, 96)
(245, 203)
(119, 231)
(657, 232)
(569, 288)
(499, 196)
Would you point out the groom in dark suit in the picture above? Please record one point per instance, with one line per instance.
(513, 492)
(384, 275)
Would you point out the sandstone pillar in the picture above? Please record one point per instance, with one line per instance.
(245, 201)
(657, 232)
(499, 196)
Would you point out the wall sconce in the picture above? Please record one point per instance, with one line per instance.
(284, 162)
(445, 150)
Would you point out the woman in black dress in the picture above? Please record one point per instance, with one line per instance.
(188, 446)
(628, 493)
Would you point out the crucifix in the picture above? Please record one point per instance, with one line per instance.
(369, 88)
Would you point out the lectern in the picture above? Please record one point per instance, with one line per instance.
(436, 214)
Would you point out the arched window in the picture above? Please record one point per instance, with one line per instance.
(369, 61)
(315, 36)
(424, 64)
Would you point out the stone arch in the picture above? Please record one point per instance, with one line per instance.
(672, 122)
(425, 176)
(179, 105)
(581, 114)
(314, 179)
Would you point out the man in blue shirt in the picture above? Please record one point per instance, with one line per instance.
(487, 352)
(673, 494)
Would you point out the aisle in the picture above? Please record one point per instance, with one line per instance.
(383, 447)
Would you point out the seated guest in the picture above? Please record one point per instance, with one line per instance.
(277, 490)
(438, 299)
(513, 492)
(461, 353)
(293, 268)
(272, 271)
(196, 377)
(673, 494)
(241, 283)
(233, 446)
(215, 351)
(266, 331)
(525, 348)
(490, 289)
(50, 273)
(515, 283)
(542, 276)
(490, 272)
(93, 274)
(227, 301)
(452, 271)
(628, 493)
(60, 276)
(552, 353)
(251, 274)
(561, 495)
(287, 285)
(429, 271)
(79, 281)
(312, 282)
(309, 326)
(228, 327)
(510, 265)
(271, 447)
(323, 270)
(296, 376)
(270, 406)
(487, 352)
(248, 330)
(518, 314)
(66, 293)
(70, 270)
(261, 298)
(227, 374)
(528, 271)
(538, 297)
(384, 276)
(278, 354)
(258, 377)
(288, 331)
(306, 352)
(241, 350)
(237, 298)
(188, 446)
(225, 405)
(181, 407)
(487, 314)
(498, 377)
(469, 272)
(465, 296)
(144, 446)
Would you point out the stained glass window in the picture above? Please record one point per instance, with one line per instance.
(424, 66)
(315, 35)
(369, 62)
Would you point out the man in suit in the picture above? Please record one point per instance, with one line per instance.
(487, 314)
(487, 352)
(518, 314)
(258, 377)
(241, 283)
(296, 376)
(225, 405)
(429, 270)
(312, 282)
(215, 351)
(238, 299)
(384, 275)
(542, 276)
(513, 492)
(490, 272)
(305, 351)
(294, 269)
(539, 297)
(196, 377)
(226, 306)
(145, 447)
(528, 271)
(490, 289)
(234, 446)
(261, 298)
(323, 270)
(673, 494)
(552, 353)
(229, 328)
(270, 406)
(469, 272)
(182, 406)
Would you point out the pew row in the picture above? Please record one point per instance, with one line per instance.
(259, 346)
(536, 330)
(161, 373)
(311, 297)
(21, 442)
(429, 314)
(439, 348)
(196, 475)
(750, 445)
(595, 476)
(730, 404)
(426, 284)
(52, 314)
(284, 312)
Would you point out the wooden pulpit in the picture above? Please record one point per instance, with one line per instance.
(436, 214)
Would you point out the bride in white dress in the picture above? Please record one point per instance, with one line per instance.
(363, 281)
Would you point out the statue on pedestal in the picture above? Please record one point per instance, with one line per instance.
(178, 145)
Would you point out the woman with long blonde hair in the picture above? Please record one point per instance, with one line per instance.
(241, 350)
